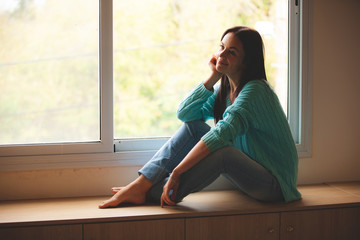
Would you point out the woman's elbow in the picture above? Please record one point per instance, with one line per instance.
(180, 115)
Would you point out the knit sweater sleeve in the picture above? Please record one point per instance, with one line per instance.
(198, 105)
(236, 121)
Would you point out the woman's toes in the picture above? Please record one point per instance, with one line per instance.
(115, 189)
(109, 203)
(102, 205)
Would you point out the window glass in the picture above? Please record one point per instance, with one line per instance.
(49, 71)
(162, 49)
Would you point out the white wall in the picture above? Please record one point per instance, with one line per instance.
(336, 93)
(336, 118)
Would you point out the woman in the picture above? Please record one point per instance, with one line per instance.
(251, 144)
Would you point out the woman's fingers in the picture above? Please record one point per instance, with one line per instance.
(212, 63)
(170, 185)
(166, 199)
(213, 60)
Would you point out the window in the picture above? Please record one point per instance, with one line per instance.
(161, 51)
(67, 93)
(50, 86)
(52, 92)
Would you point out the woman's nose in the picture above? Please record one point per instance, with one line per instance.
(222, 53)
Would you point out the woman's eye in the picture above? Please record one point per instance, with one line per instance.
(232, 53)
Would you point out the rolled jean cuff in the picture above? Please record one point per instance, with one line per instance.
(154, 173)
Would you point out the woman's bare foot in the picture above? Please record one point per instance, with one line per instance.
(125, 195)
(134, 193)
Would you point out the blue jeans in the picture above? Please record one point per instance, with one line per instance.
(244, 173)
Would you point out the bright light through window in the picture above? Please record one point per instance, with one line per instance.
(152, 53)
(162, 49)
(49, 63)
(49, 71)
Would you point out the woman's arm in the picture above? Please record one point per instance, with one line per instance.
(198, 152)
(199, 104)
(214, 76)
(189, 109)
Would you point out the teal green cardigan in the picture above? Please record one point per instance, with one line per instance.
(255, 124)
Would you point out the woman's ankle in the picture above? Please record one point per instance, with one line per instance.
(143, 184)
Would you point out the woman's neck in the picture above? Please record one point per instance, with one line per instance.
(233, 87)
(234, 83)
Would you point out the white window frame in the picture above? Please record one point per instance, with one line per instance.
(109, 152)
(300, 72)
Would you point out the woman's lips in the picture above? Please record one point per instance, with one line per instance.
(222, 62)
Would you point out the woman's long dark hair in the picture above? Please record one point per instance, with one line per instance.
(254, 66)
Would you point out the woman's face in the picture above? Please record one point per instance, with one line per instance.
(230, 57)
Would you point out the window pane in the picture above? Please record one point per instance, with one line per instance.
(162, 49)
(49, 71)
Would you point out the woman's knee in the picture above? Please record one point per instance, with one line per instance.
(197, 128)
(196, 124)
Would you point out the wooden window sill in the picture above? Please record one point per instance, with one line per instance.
(211, 203)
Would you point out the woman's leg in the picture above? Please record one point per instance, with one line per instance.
(174, 151)
(159, 167)
(246, 174)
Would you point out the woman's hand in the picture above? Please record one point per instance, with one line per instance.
(172, 184)
(215, 75)
(212, 65)
(199, 152)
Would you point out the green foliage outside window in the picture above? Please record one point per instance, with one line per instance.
(49, 87)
